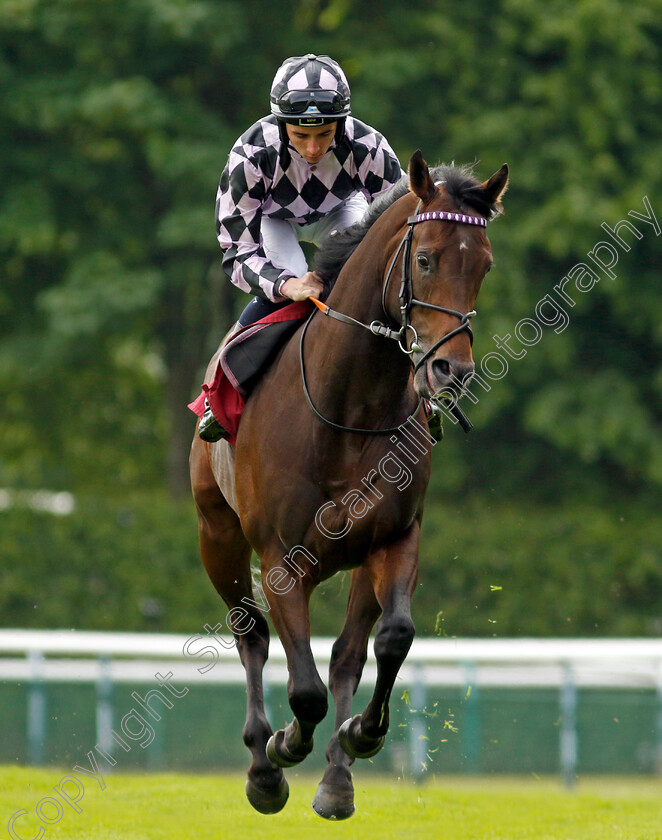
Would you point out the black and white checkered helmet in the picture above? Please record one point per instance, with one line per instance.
(310, 90)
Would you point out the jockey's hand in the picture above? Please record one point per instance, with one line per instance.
(301, 288)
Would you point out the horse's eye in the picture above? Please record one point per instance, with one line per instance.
(489, 268)
(423, 261)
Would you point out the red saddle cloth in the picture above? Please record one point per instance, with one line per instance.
(243, 359)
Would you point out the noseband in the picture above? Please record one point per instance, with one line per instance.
(406, 302)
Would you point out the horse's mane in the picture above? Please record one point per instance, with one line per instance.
(460, 184)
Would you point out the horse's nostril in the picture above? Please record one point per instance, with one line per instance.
(459, 373)
(463, 373)
(441, 367)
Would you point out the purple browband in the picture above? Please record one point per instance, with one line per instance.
(443, 216)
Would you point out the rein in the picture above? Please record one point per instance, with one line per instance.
(337, 426)
(406, 301)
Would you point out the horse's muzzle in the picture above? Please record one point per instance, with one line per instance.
(448, 377)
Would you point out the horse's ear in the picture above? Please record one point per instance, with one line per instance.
(496, 186)
(420, 181)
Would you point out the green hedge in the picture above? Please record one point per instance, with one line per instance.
(110, 565)
(512, 569)
(487, 568)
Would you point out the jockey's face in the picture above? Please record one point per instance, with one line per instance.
(311, 141)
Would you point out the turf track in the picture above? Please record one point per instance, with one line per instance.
(156, 807)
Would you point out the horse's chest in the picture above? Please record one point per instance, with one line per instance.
(368, 509)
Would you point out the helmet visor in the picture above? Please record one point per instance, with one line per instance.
(297, 102)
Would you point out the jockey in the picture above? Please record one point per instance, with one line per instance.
(299, 174)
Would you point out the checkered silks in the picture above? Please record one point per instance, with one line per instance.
(262, 178)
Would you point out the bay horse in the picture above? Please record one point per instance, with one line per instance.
(313, 491)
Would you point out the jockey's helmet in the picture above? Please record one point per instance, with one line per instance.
(310, 90)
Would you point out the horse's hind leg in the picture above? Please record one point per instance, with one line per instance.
(226, 555)
(335, 793)
(393, 572)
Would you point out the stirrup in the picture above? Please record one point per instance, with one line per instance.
(209, 429)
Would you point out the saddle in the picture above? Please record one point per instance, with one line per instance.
(244, 359)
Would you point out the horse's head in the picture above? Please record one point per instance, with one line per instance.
(445, 262)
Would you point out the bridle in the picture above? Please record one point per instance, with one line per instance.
(406, 301)
(406, 294)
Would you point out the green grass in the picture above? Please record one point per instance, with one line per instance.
(182, 807)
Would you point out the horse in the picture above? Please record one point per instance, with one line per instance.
(323, 481)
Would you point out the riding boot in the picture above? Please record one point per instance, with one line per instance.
(209, 429)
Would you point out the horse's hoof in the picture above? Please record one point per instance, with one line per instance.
(361, 746)
(333, 803)
(267, 800)
(278, 754)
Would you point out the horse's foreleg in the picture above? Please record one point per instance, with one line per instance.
(226, 556)
(393, 572)
(305, 689)
(335, 794)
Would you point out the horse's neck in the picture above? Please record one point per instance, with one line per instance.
(365, 376)
(358, 291)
